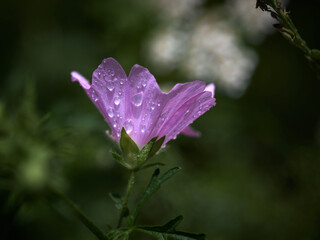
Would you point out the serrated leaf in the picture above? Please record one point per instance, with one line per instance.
(129, 148)
(156, 146)
(153, 186)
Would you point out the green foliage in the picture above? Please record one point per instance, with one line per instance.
(289, 31)
(132, 157)
(129, 149)
(168, 231)
(154, 185)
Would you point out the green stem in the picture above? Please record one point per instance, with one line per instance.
(126, 197)
(82, 217)
(289, 31)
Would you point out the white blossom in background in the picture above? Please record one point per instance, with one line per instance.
(177, 9)
(256, 23)
(215, 54)
(209, 46)
(164, 48)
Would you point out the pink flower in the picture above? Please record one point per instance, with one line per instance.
(137, 103)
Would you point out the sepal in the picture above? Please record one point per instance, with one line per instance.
(132, 157)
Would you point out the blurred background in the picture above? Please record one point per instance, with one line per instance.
(254, 173)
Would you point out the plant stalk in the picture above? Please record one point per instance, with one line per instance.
(126, 197)
(82, 217)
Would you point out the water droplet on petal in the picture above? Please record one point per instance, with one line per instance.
(117, 101)
(137, 99)
(153, 106)
(121, 82)
(128, 126)
(110, 112)
(163, 116)
(94, 96)
(110, 72)
(110, 86)
(159, 104)
(144, 83)
(143, 128)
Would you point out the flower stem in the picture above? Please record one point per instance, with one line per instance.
(82, 217)
(126, 197)
(290, 32)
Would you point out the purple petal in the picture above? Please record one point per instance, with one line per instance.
(137, 103)
(186, 114)
(144, 104)
(189, 131)
(106, 92)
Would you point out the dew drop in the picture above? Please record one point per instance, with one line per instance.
(163, 116)
(143, 128)
(110, 72)
(94, 96)
(110, 86)
(117, 101)
(153, 106)
(159, 104)
(144, 83)
(128, 126)
(121, 82)
(137, 99)
(110, 112)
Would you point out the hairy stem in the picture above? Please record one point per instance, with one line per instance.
(124, 208)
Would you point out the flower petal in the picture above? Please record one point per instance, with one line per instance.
(138, 104)
(75, 76)
(108, 82)
(143, 106)
(186, 114)
(189, 131)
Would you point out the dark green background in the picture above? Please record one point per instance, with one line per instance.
(254, 173)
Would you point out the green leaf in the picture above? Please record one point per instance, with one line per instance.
(172, 224)
(117, 199)
(118, 158)
(172, 235)
(129, 148)
(156, 146)
(168, 230)
(153, 186)
(145, 151)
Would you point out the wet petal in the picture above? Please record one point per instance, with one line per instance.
(137, 103)
(186, 114)
(189, 131)
(144, 104)
(109, 81)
